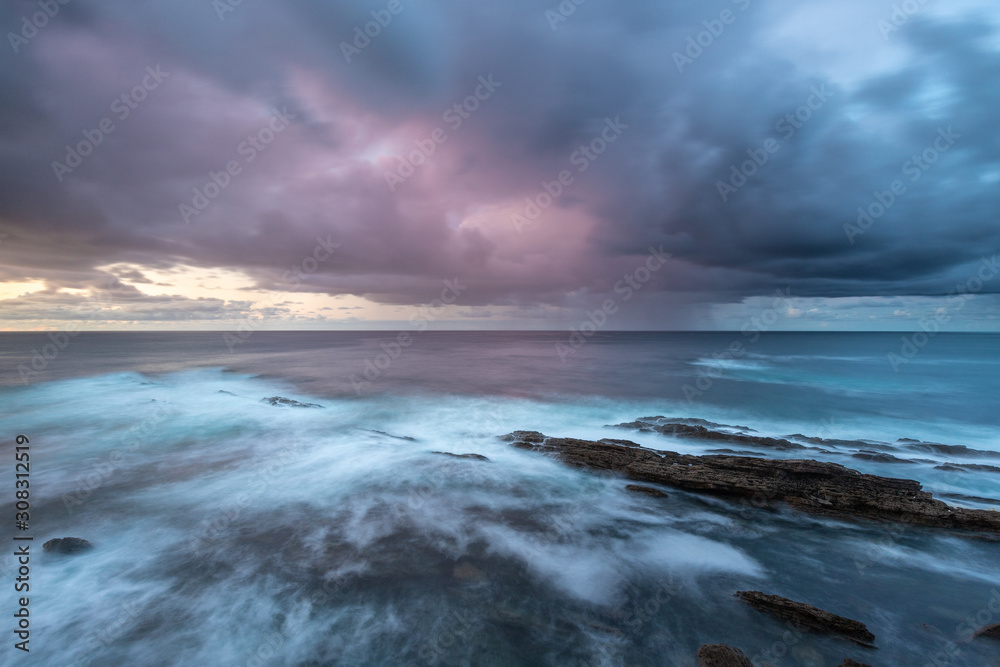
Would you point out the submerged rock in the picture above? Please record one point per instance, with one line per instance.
(965, 467)
(853, 663)
(720, 655)
(282, 402)
(808, 616)
(648, 490)
(478, 457)
(812, 486)
(989, 631)
(879, 457)
(950, 450)
(67, 545)
(691, 428)
(394, 437)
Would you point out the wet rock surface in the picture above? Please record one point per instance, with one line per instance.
(808, 616)
(648, 490)
(67, 545)
(702, 430)
(989, 631)
(812, 486)
(477, 457)
(720, 655)
(282, 402)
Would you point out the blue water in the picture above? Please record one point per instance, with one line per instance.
(232, 532)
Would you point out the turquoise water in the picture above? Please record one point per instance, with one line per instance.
(232, 532)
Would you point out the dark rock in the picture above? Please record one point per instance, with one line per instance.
(67, 545)
(478, 457)
(227, 393)
(523, 436)
(950, 450)
(282, 402)
(720, 655)
(878, 457)
(989, 631)
(808, 616)
(734, 452)
(394, 437)
(965, 467)
(853, 663)
(648, 490)
(812, 486)
(684, 428)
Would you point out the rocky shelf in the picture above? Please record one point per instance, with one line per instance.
(812, 486)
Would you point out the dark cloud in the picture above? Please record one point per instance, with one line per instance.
(322, 180)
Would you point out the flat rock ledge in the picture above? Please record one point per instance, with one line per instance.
(812, 486)
(808, 616)
(67, 545)
(720, 655)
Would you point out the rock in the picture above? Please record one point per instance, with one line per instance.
(478, 457)
(812, 486)
(523, 436)
(808, 616)
(990, 631)
(878, 457)
(685, 428)
(282, 402)
(720, 655)
(395, 437)
(67, 545)
(965, 467)
(648, 490)
(853, 663)
(950, 450)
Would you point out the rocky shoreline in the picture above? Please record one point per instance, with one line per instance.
(807, 485)
(811, 486)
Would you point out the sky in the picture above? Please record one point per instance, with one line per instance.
(312, 164)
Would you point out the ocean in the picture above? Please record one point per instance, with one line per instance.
(232, 531)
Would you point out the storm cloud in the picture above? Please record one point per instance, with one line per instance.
(842, 151)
